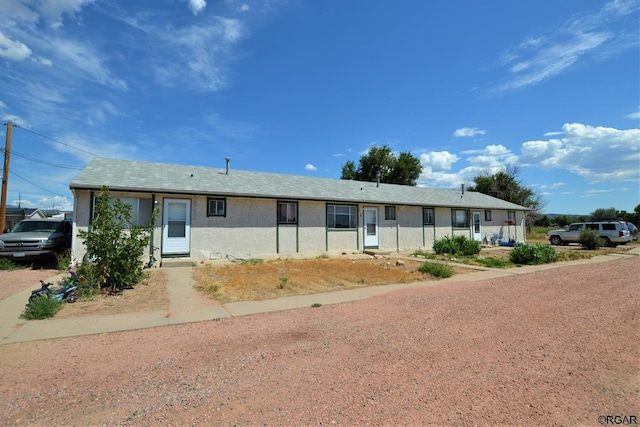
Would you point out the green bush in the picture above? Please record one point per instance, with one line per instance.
(590, 239)
(116, 243)
(436, 269)
(456, 245)
(6, 264)
(41, 308)
(533, 254)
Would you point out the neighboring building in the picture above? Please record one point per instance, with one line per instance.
(206, 213)
(16, 214)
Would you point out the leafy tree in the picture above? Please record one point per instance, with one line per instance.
(604, 214)
(405, 169)
(116, 244)
(505, 185)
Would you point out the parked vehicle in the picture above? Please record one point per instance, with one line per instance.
(613, 233)
(36, 239)
(633, 230)
(68, 291)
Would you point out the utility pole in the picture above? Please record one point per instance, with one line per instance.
(5, 177)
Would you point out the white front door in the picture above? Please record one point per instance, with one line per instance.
(370, 227)
(477, 227)
(176, 226)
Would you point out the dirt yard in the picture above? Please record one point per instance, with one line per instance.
(278, 278)
(558, 347)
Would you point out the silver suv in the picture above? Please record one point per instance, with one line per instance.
(613, 233)
(36, 238)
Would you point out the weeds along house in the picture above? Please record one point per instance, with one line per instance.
(206, 213)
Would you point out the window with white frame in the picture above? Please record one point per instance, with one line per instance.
(390, 212)
(216, 207)
(342, 216)
(459, 218)
(511, 217)
(487, 215)
(428, 216)
(140, 209)
(287, 212)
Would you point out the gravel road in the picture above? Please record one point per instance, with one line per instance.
(559, 347)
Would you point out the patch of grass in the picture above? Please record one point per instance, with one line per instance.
(494, 263)
(436, 269)
(316, 304)
(8, 265)
(283, 282)
(323, 256)
(213, 291)
(251, 261)
(424, 254)
(41, 308)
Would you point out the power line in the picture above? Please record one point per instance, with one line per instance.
(34, 184)
(55, 140)
(56, 165)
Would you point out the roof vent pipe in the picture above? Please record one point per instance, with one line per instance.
(462, 186)
(226, 171)
(378, 179)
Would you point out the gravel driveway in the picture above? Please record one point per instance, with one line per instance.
(558, 347)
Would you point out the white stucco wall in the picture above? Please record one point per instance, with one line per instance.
(250, 228)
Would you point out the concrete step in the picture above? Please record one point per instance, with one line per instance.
(176, 262)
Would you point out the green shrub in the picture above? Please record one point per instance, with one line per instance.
(6, 264)
(436, 269)
(590, 239)
(456, 245)
(533, 254)
(41, 308)
(116, 244)
(63, 260)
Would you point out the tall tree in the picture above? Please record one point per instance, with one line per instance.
(405, 169)
(506, 185)
(602, 214)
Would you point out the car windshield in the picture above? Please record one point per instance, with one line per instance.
(37, 226)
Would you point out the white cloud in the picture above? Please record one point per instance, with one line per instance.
(197, 6)
(556, 133)
(465, 132)
(16, 120)
(204, 53)
(596, 153)
(635, 116)
(438, 160)
(53, 11)
(594, 35)
(310, 167)
(244, 8)
(12, 49)
(78, 57)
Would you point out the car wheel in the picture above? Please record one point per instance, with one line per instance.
(607, 242)
(555, 240)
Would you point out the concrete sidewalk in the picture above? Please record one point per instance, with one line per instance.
(186, 305)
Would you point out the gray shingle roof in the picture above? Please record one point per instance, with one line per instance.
(132, 175)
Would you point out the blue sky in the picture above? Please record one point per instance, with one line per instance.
(300, 87)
